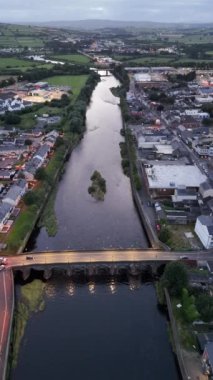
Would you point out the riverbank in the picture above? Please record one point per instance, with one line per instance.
(129, 160)
(31, 300)
(73, 128)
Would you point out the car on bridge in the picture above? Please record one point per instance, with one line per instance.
(29, 257)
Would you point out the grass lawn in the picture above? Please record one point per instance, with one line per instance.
(178, 240)
(74, 58)
(76, 82)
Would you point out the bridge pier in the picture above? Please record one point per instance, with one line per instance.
(134, 270)
(26, 273)
(113, 270)
(47, 273)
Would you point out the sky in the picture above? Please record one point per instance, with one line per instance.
(128, 10)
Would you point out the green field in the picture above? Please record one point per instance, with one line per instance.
(20, 36)
(76, 82)
(20, 64)
(12, 41)
(151, 60)
(74, 58)
(193, 39)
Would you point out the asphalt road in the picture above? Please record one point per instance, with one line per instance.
(6, 314)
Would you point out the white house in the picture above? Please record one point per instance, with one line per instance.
(204, 230)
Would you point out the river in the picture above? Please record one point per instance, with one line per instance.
(97, 330)
(84, 223)
(100, 330)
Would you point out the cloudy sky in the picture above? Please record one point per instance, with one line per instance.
(148, 10)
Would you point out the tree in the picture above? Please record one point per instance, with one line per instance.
(175, 278)
(189, 310)
(30, 198)
(164, 234)
(12, 118)
(28, 142)
(41, 174)
(204, 305)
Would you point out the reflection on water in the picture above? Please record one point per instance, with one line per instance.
(97, 330)
(84, 223)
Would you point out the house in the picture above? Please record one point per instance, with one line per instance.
(164, 178)
(184, 195)
(13, 196)
(31, 167)
(6, 174)
(42, 152)
(206, 189)
(51, 138)
(204, 230)
(22, 183)
(5, 210)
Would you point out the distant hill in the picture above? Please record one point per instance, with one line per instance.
(104, 24)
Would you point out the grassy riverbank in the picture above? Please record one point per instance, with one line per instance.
(31, 301)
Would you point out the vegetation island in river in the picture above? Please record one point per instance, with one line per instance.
(98, 187)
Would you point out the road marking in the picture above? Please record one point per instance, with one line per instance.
(2, 333)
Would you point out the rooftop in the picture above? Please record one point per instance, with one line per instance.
(173, 176)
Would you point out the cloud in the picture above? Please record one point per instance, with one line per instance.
(148, 10)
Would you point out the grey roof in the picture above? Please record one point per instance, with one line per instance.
(4, 209)
(42, 151)
(206, 185)
(32, 165)
(21, 183)
(5, 173)
(186, 192)
(13, 193)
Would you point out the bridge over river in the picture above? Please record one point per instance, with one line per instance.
(69, 258)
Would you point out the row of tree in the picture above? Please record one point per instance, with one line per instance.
(195, 305)
(37, 74)
(77, 112)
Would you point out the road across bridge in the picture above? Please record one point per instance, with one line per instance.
(103, 256)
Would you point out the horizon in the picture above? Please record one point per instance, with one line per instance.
(26, 11)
